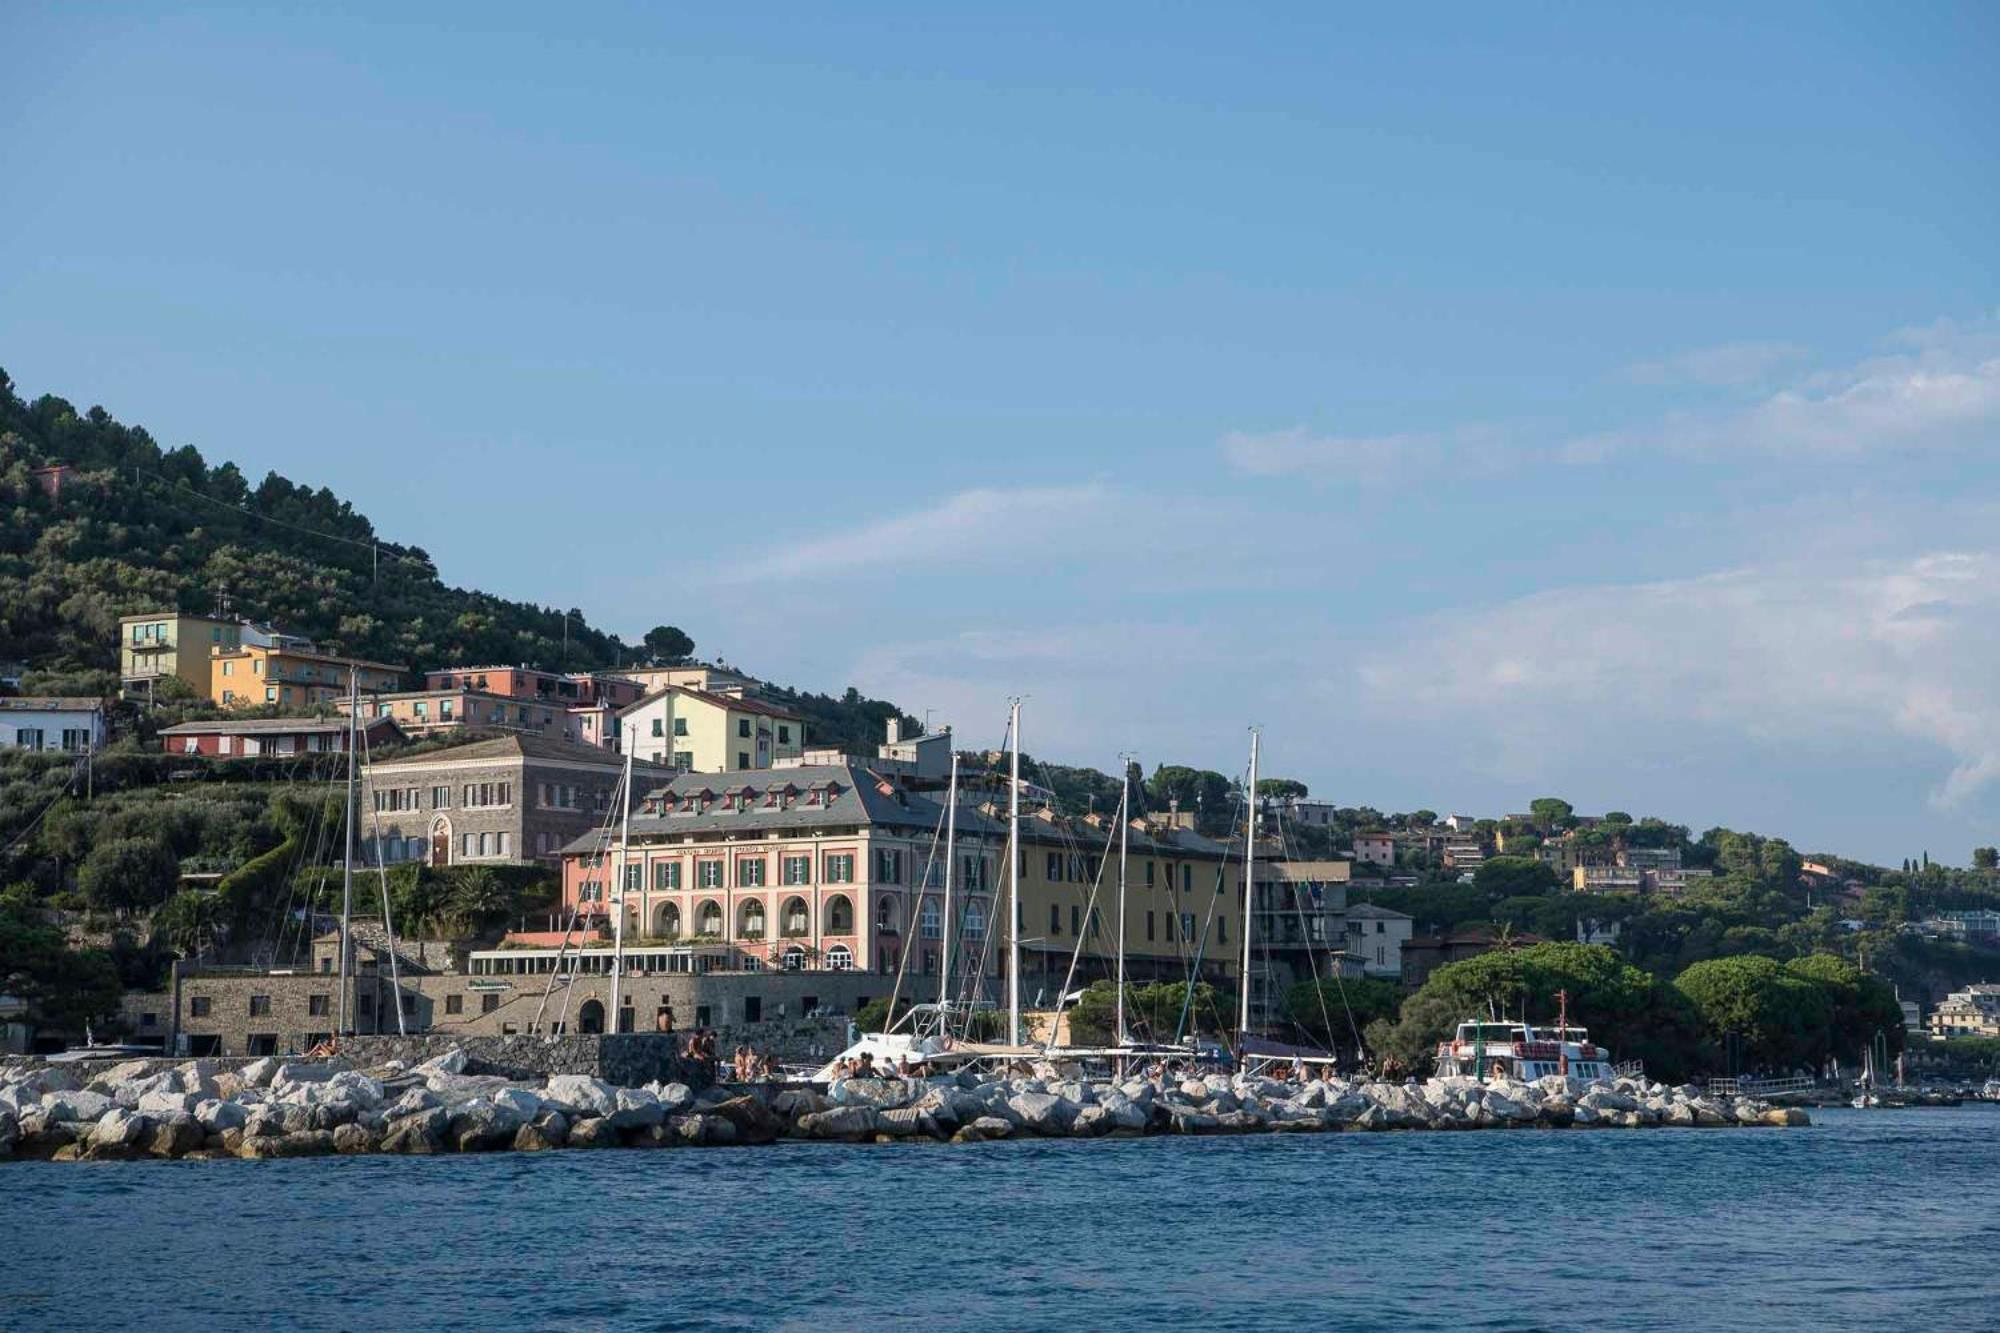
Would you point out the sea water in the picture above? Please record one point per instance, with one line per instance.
(1869, 1219)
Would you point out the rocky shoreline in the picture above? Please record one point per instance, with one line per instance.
(270, 1108)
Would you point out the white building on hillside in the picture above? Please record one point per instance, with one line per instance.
(44, 722)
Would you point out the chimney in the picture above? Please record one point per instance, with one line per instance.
(895, 730)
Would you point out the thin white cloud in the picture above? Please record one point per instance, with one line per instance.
(970, 526)
(1940, 389)
(1782, 654)
(1368, 459)
(1724, 366)
(1942, 393)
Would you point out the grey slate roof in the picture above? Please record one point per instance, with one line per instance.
(867, 798)
(528, 745)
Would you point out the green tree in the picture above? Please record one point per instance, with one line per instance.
(64, 988)
(1208, 795)
(1551, 812)
(1514, 877)
(1324, 1009)
(1986, 858)
(189, 921)
(1280, 789)
(1758, 1014)
(122, 874)
(668, 643)
(1862, 1005)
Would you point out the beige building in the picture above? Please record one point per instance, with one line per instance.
(707, 679)
(292, 676)
(699, 732)
(159, 645)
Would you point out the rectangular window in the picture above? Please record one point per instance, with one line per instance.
(750, 873)
(1170, 927)
(1149, 931)
(743, 727)
(440, 798)
(1222, 930)
(1187, 926)
(840, 869)
(784, 734)
(797, 869)
(1055, 867)
(260, 1006)
(888, 866)
(319, 1006)
(658, 727)
(743, 759)
(666, 874)
(680, 726)
(1055, 919)
(634, 878)
(1149, 875)
(488, 1003)
(454, 1004)
(1187, 879)
(1075, 919)
(708, 874)
(197, 1006)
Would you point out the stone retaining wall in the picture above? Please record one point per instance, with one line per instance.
(626, 1060)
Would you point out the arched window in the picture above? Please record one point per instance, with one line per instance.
(708, 920)
(839, 915)
(839, 959)
(751, 924)
(795, 959)
(975, 918)
(667, 920)
(885, 913)
(931, 922)
(793, 919)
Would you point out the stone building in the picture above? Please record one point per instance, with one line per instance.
(509, 799)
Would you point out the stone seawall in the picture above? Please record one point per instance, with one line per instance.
(624, 1060)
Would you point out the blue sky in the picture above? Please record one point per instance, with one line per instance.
(1486, 403)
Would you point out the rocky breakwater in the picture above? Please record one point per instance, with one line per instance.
(275, 1109)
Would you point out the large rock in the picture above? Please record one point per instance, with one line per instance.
(118, 1128)
(411, 1102)
(635, 1108)
(259, 1073)
(524, 1103)
(532, 1137)
(355, 1140)
(905, 1122)
(81, 1107)
(852, 1123)
(483, 1127)
(1044, 1112)
(214, 1115)
(175, 1137)
(592, 1132)
(674, 1097)
(792, 1103)
(422, 1133)
(754, 1121)
(581, 1093)
(875, 1092)
(451, 1062)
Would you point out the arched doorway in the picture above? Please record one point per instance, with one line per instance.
(440, 842)
(590, 1018)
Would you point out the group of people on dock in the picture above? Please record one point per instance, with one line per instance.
(745, 1064)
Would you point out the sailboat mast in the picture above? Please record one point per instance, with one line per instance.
(618, 922)
(950, 856)
(1124, 842)
(1249, 884)
(1014, 876)
(347, 857)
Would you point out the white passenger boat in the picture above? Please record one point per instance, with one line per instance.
(1503, 1048)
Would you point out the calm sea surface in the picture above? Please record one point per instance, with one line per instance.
(1884, 1219)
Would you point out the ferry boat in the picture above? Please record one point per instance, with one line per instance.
(1519, 1051)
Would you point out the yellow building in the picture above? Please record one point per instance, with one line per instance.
(699, 732)
(291, 676)
(162, 645)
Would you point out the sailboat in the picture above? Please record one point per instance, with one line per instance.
(924, 1039)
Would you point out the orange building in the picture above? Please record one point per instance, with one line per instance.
(293, 675)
